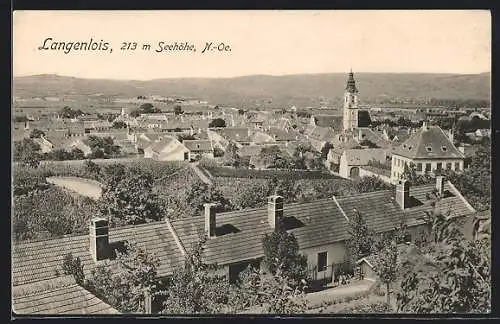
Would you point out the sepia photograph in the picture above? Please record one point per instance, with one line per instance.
(265, 162)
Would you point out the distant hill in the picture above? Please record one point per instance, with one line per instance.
(285, 90)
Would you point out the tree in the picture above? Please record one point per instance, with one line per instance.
(217, 122)
(361, 238)
(371, 183)
(231, 156)
(195, 288)
(128, 195)
(92, 168)
(459, 279)
(178, 110)
(122, 282)
(102, 146)
(325, 150)
(36, 133)
(252, 195)
(27, 152)
(287, 188)
(273, 157)
(386, 266)
(410, 174)
(460, 282)
(201, 193)
(73, 266)
(282, 296)
(281, 256)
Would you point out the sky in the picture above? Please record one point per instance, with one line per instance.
(261, 42)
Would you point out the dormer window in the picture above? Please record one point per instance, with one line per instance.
(429, 149)
(444, 148)
(409, 148)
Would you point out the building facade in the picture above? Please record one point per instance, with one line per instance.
(429, 150)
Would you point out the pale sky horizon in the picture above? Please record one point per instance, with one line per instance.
(262, 42)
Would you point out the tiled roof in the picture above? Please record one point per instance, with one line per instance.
(282, 135)
(369, 135)
(428, 143)
(323, 222)
(382, 213)
(235, 134)
(363, 156)
(198, 145)
(261, 137)
(334, 121)
(158, 147)
(42, 260)
(322, 219)
(63, 297)
(320, 133)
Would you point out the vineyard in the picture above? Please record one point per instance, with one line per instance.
(226, 172)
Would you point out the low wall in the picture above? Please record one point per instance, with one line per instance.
(367, 173)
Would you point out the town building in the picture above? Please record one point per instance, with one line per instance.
(234, 239)
(428, 149)
(167, 149)
(199, 148)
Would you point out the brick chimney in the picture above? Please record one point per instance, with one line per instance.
(210, 223)
(99, 238)
(403, 194)
(439, 185)
(274, 210)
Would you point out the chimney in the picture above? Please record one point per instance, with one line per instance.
(461, 149)
(210, 224)
(99, 238)
(403, 194)
(424, 126)
(439, 185)
(274, 210)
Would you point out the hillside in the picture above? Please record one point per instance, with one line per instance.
(285, 90)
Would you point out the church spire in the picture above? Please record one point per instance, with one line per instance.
(351, 83)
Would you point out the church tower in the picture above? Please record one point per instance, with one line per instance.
(351, 111)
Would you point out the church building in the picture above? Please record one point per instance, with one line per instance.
(353, 116)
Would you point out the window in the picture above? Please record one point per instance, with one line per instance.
(429, 149)
(427, 167)
(419, 166)
(439, 165)
(448, 166)
(444, 148)
(322, 259)
(457, 166)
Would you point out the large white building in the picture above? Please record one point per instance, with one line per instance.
(429, 149)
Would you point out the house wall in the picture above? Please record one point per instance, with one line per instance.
(398, 163)
(366, 173)
(336, 253)
(344, 168)
(169, 156)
